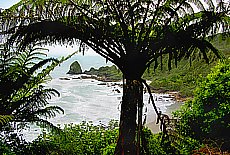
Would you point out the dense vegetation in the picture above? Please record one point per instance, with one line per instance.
(207, 116)
(108, 72)
(132, 34)
(89, 139)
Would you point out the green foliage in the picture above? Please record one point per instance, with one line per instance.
(184, 145)
(75, 68)
(110, 72)
(183, 78)
(131, 34)
(169, 144)
(86, 138)
(5, 150)
(154, 144)
(4, 119)
(123, 32)
(81, 139)
(12, 144)
(23, 97)
(207, 115)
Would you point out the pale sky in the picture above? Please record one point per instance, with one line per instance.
(7, 3)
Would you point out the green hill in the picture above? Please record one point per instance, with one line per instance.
(184, 77)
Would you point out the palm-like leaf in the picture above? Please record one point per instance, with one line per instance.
(22, 95)
(4, 119)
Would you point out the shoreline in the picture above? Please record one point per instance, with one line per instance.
(175, 94)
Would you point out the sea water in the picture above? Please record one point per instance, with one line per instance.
(86, 99)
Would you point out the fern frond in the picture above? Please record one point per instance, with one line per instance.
(188, 8)
(40, 64)
(4, 119)
(22, 94)
(117, 29)
(49, 112)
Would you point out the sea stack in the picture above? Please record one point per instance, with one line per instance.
(75, 68)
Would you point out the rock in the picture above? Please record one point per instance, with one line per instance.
(75, 68)
(64, 78)
(102, 84)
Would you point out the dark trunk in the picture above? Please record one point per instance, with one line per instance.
(132, 97)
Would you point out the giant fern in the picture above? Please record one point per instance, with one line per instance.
(23, 97)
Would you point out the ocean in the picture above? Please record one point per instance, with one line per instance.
(87, 99)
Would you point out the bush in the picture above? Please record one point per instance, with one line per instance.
(160, 144)
(207, 115)
(87, 138)
(12, 144)
(5, 150)
(84, 138)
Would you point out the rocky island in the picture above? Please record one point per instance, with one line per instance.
(75, 68)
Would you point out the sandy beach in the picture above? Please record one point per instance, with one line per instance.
(151, 117)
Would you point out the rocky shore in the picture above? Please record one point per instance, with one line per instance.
(107, 74)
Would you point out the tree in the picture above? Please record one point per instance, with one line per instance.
(132, 34)
(23, 98)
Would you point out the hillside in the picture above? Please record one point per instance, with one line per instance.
(184, 77)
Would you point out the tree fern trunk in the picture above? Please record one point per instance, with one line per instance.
(132, 96)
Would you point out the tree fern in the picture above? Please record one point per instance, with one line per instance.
(22, 95)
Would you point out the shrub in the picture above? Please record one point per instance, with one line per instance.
(176, 144)
(83, 138)
(207, 115)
